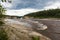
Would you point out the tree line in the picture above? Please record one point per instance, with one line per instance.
(51, 13)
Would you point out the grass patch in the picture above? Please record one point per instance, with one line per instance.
(3, 34)
(1, 23)
(35, 38)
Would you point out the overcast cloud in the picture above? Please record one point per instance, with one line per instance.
(35, 4)
(32, 4)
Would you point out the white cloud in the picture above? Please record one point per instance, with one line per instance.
(49, 5)
(6, 4)
(38, 4)
(20, 12)
(52, 5)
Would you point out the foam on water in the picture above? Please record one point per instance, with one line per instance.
(17, 22)
(27, 23)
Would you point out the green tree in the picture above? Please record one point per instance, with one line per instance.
(51, 13)
(3, 34)
(7, 1)
(2, 11)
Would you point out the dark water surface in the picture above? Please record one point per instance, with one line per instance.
(53, 30)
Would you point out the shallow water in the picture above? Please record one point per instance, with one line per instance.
(17, 22)
(27, 23)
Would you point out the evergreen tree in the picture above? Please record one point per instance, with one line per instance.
(51, 13)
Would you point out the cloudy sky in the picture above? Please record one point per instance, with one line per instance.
(35, 5)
